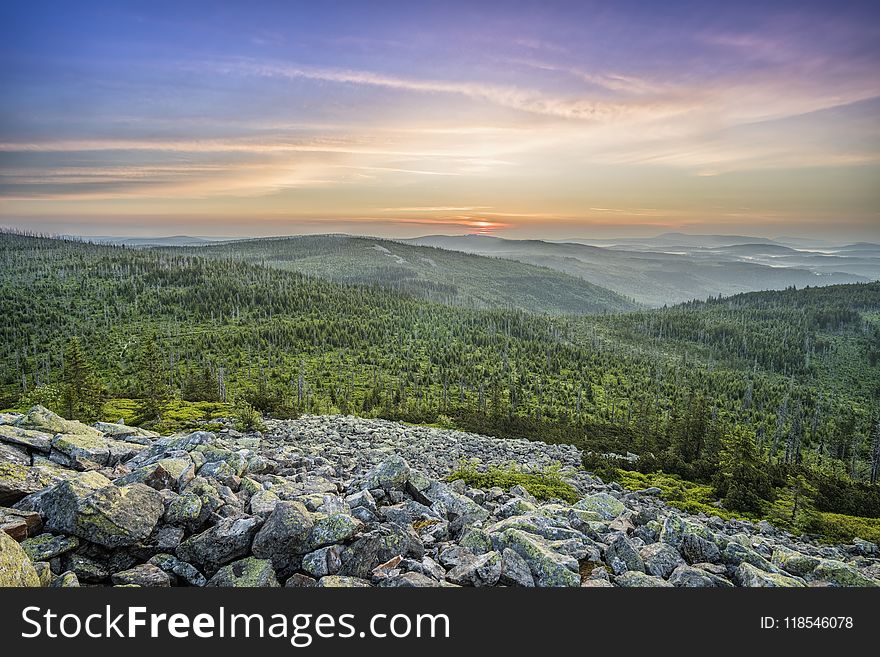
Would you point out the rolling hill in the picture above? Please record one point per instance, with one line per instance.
(441, 275)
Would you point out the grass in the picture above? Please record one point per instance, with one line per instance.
(544, 484)
(694, 498)
(839, 528)
(680, 493)
(178, 415)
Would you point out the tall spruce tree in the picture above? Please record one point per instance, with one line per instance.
(82, 396)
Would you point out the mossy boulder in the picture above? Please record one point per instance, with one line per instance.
(793, 562)
(40, 418)
(18, 481)
(16, 568)
(250, 572)
(605, 505)
(48, 546)
(838, 573)
(748, 575)
(331, 529)
(226, 541)
(637, 579)
(36, 440)
(548, 568)
(92, 508)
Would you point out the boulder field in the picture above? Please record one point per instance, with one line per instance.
(338, 501)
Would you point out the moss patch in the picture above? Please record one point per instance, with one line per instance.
(544, 484)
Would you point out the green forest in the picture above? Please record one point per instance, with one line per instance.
(761, 405)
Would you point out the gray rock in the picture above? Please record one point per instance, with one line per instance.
(660, 559)
(634, 578)
(342, 581)
(324, 561)
(92, 508)
(284, 535)
(696, 549)
(229, 539)
(250, 572)
(621, 556)
(481, 570)
(515, 570)
(605, 505)
(748, 575)
(142, 575)
(548, 568)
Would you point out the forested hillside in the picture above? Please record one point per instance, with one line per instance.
(766, 401)
(440, 275)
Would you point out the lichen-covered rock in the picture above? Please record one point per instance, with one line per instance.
(456, 505)
(696, 549)
(334, 498)
(342, 581)
(635, 578)
(181, 569)
(172, 473)
(47, 546)
(263, 503)
(515, 570)
(40, 418)
(378, 546)
(621, 556)
(144, 574)
(39, 441)
(838, 573)
(229, 539)
(16, 568)
(92, 508)
(285, 534)
(481, 570)
(660, 559)
(793, 562)
(552, 529)
(250, 572)
(605, 505)
(65, 580)
(516, 507)
(748, 575)
(391, 474)
(548, 568)
(691, 577)
(673, 530)
(333, 528)
(324, 561)
(410, 581)
(18, 481)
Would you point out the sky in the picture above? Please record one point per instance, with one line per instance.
(520, 119)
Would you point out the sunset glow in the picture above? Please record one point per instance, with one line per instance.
(557, 120)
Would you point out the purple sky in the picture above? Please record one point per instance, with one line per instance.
(519, 119)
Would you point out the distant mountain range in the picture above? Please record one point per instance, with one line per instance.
(675, 267)
(578, 276)
(174, 240)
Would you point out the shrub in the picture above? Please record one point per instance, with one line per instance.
(247, 418)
